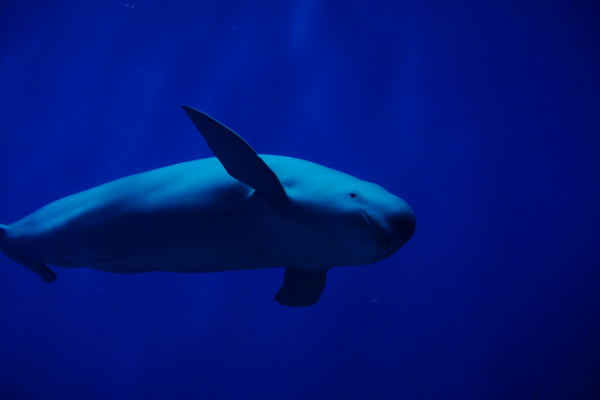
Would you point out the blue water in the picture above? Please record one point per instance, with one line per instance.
(483, 116)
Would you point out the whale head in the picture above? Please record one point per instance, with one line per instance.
(388, 221)
(358, 222)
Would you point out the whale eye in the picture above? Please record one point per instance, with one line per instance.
(353, 195)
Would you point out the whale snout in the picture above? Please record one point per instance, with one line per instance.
(402, 225)
(396, 226)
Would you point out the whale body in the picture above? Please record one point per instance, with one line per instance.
(238, 210)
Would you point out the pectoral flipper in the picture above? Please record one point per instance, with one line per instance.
(301, 288)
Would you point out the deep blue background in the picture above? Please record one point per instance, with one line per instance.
(484, 116)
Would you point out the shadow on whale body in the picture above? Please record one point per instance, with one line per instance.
(235, 211)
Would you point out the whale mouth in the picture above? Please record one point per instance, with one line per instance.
(384, 234)
(370, 221)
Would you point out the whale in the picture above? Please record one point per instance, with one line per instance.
(236, 211)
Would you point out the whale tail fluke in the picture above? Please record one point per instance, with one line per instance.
(34, 266)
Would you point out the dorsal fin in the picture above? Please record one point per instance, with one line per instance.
(238, 157)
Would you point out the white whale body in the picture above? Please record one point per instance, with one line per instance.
(235, 211)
